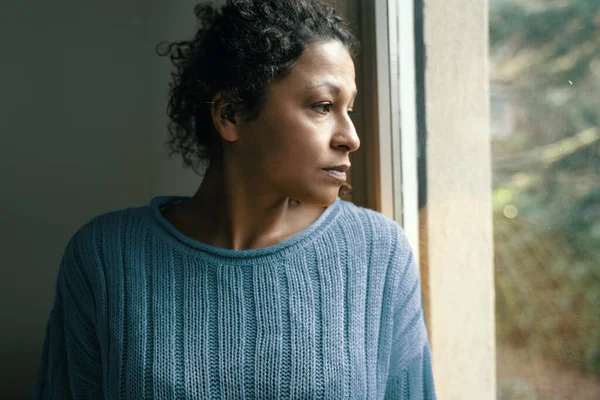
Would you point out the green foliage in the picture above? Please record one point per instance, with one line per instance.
(546, 59)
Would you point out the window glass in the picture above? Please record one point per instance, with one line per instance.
(545, 116)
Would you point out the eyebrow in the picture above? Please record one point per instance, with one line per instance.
(331, 86)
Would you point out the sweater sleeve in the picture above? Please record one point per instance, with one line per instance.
(70, 366)
(410, 374)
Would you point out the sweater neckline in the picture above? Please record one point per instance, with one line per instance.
(169, 232)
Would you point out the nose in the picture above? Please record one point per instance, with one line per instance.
(345, 137)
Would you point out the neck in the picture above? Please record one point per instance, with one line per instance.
(231, 211)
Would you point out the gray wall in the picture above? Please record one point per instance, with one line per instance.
(82, 119)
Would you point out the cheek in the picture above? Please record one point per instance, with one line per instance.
(293, 145)
(287, 157)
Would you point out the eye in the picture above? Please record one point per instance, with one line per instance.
(323, 107)
(351, 113)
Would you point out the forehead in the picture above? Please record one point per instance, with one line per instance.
(324, 64)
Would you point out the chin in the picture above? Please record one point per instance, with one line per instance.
(319, 198)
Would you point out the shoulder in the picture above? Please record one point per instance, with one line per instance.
(368, 216)
(99, 240)
(382, 232)
(96, 246)
(381, 242)
(106, 227)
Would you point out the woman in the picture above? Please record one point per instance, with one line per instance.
(263, 284)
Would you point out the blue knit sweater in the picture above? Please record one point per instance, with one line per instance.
(143, 312)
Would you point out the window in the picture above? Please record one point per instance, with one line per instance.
(545, 116)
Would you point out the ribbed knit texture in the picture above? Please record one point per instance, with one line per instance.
(143, 312)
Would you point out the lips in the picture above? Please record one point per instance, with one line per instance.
(339, 168)
(338, 172)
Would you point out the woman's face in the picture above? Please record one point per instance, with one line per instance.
(303, 128)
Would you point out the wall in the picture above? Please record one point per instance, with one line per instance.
(82, 122)
(457, 221)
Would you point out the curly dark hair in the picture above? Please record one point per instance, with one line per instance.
(237, 51)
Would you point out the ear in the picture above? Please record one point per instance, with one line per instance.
(223, 117)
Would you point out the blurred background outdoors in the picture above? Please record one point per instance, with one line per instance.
(545, 102)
